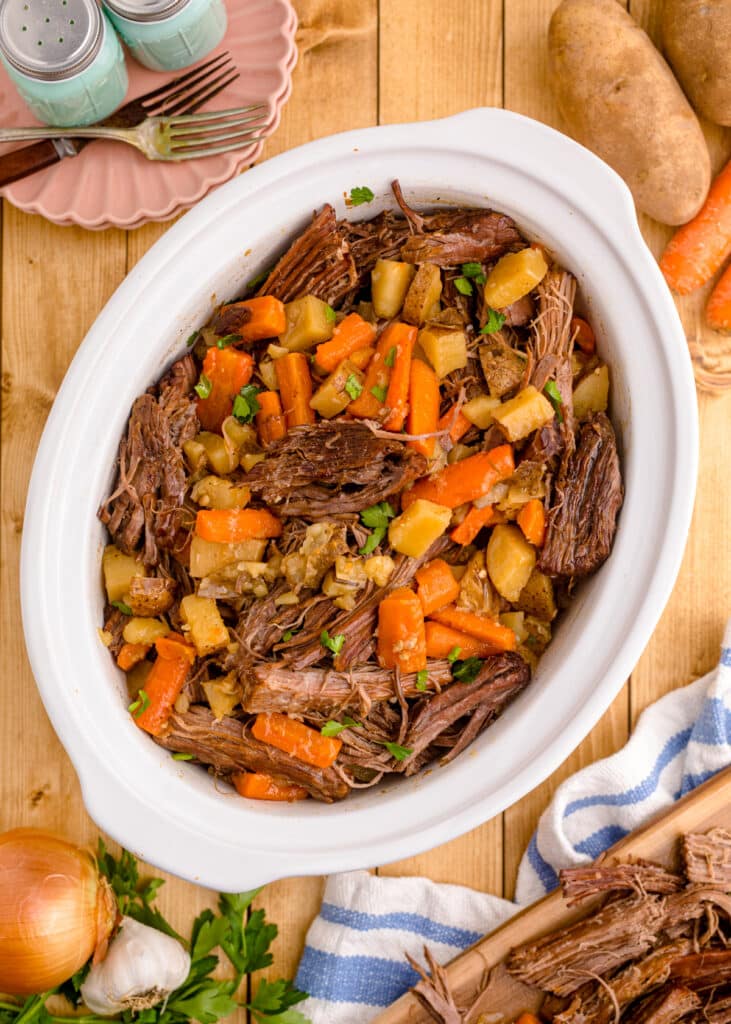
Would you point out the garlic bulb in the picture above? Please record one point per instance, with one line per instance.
(142, 968)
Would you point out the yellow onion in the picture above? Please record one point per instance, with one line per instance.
(55, 910)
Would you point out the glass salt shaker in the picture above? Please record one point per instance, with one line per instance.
(166, 35)
(64, 58)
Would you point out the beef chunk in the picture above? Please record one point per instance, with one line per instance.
(588, 495)
(580, 883)
(433, 991)
(704, 970)
(707, 858)
(666, 1006)
(151, 595)
(228, 746)
(331, 468)
(462, 236)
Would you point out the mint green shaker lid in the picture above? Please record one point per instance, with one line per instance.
(50, 39)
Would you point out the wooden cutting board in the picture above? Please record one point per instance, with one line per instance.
(707, 806)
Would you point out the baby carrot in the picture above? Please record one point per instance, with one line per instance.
(499, 637)
(464, 481)
(423, 406)
(296, 739)
(350, 335)
(259, 786)
(295, 388)
(532, 521)
(231, 525)
(436, 586)
(397, 396)
(700, 247)
(269, 420)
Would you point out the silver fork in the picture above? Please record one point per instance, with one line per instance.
(182, 137)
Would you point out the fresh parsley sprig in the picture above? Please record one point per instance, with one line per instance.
(361, 194)
(376, 518)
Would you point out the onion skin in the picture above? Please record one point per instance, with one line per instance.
(55, 910)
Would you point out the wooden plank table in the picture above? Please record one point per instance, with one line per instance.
(376, 61)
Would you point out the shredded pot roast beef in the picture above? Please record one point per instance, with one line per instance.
(342, 524)
(653, 946)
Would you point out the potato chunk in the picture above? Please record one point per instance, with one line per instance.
(139, 630)
(118, 570)
(480, 409)
(207, 629)
(207, 556)
(513, 276)
(335, 393)
(502, 366)
(223, 694)
(220, 457)
(423, 294)
(390, 280)
(523, 414)
(446, 350)
(592, 393)
(416, 529)
(510, 560)
(537, 598)
(215, 492)
(309, 321)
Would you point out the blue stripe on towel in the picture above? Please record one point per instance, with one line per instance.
(548, 877)
(674, 746)
(353, 979)
(600, 840)
(430, 930)
(690, 781)
(713, 725)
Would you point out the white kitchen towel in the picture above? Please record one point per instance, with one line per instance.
(354, 962)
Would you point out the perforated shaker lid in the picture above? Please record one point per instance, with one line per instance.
(50, 39)
(146, 10)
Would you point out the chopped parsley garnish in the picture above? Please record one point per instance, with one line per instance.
(475, 271)
(398, 752)
(137, 707)
(353, 386)
(422, 677)
(332, 643)
(361, 194)
(532, 640)
(333, 728)
(122, 607)
(288, 634)
(226, 340)
(551, 389)
(182, 757)
(379, 392)
(204, 386)
(246, 404)
(330, 314)
(463, 286)
(390, 356)
(466, 671)
(376, 518)
(192, 339)
(493, 323)
(259, 279)
(373, 541)
(454, 654)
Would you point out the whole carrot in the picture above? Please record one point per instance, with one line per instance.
(700, 247)
(718, 309)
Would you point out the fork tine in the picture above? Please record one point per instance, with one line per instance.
(213, 115)
(225, 66)
(187, 78)
(209, 129)
(209, 143)
(207, 92)
(189, 154)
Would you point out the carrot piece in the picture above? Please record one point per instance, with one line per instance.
(130, 654)
(269, 419)
(442, 641)
(718, 308)
(351, 334)
(361, 357)
(258, 786)
(295, 388)
(457, 426)
(397, 396)
(527, 1018)
(227, 370)
(423, 406)
(464, 481)
(265, 317)
(368, 405)
(532, 521)
(700, 247)
(499, 637)
(472, 523)
(296, 739)
(583, 334)
(401, 640)
(164, 683)
(231, 525)
(436, 586)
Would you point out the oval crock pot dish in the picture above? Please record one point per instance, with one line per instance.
(343, 524)
(366, 503)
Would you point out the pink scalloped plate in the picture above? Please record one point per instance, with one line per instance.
(112, 185)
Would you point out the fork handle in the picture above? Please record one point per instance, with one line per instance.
(22, 162)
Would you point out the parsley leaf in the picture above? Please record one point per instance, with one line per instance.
(288, 634)
(333, 728)
(361, 194)
(192, 339)
(182, 756)
(475, 271)
(246, 405)
(379, 392)
(551, 389)
(275, 996)
(390, 356)
(226, 340)
(137, 707)
(493, 323)
(204, 386)
(466, 671)
(353, 386)
(377, 515)
(375, 538)
(422, 678)
(463, 286)
(122, 607)
(398, 752)
(332, 643)
(330, 314)
(454, 654)
(259, 279)
(134, 895)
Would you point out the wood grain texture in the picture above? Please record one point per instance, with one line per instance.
(378, 60)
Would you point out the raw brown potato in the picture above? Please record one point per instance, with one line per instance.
(697, 42)
(423, 294)
(620, 99)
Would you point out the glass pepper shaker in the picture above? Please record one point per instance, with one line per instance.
(64, 58)
(166, 35)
